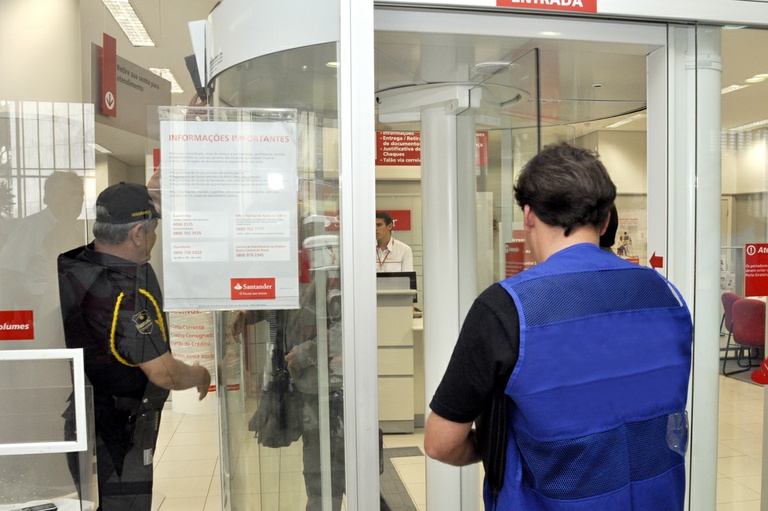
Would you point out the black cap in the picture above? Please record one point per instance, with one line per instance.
(126, 203)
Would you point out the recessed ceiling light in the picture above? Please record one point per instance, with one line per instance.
(101, 149)
(549, 33)
(754, 79)
(762, 75)
(164, 72)
(627, 120)
(126, 17)
(731, 88)
(749, 126)
(332, 65)
(491, 67)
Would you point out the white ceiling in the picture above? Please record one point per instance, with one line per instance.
(585, 84)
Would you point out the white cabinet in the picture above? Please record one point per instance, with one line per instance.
(395, 353)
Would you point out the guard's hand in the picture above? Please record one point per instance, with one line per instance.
(293, 359)
(203, 387)
(237, 324)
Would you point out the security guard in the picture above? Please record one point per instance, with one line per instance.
(112, 307)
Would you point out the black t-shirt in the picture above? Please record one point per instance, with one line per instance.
(484, 355)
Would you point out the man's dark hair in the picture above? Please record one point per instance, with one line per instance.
(566, 186)
(609, 236)
(384, 216)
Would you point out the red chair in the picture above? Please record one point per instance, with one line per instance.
(748, 333)
(728, 299)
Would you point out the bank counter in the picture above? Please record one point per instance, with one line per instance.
(395, 293)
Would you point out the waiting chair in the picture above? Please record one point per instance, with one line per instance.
(728, 300)
(748, 333)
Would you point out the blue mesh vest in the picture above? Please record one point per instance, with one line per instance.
(597, 413)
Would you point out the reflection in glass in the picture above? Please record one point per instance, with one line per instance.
(46, 156)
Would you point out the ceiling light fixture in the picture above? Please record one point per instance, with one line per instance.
(749, 126)
(731, 88)
(755, 79)
(166, 73)
(101, 149)
(491, 67)
(126, 17)
(332, 65)
(627, 120)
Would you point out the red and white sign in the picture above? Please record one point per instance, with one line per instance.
(252, 289)
(756, 269)
(517, 255)
(17, 326)
(332, 222)
(401, 219)
(481, 149)
(514, 256)
(109, 76)
(398, 148)
(553, 5)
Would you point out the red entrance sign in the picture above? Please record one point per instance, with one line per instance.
(252, 289)
(756, 269)
(555, 5)
(17, 326)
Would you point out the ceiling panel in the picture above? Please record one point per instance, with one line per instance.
(582, 80)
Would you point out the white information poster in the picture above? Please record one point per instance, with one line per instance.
(229, 212)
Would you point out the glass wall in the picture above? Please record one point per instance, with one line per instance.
(743, 233)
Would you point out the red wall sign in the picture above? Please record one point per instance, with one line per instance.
(398, 148)
(17, 326)
(556, 5)
(514, 255)
(481, 149)
(109, 76)
(401, 218)
(756, 269)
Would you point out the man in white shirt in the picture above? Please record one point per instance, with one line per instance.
(391, 255)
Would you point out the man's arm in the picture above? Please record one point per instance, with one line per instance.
(407, 264)
(450, 442)
(170, 373)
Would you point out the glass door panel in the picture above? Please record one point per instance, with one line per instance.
(744, 231)
(507, 134)
(283, 436)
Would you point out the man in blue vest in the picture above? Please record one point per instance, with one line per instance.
(572, 415)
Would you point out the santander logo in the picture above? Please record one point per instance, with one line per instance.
(252, 289)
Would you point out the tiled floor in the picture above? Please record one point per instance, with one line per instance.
(187, 470)
(739, 452)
